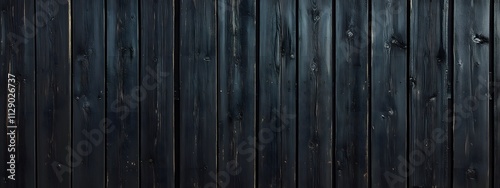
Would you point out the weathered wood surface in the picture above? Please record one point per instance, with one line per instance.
(389, 90)
(157, 85)
(198, 93)
(89, 65)
(471, 128)
(352, 94)
(249, 93)
(277, 90)
(430, 94)
(17, 57)
(123, 94)
(315, 94)
(53, 96)
(237, 57)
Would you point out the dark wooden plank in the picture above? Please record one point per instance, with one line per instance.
(237, 56)
(198, 93)
(123, 94)
(88, 92)
(389, 90)
(496, 93)
(4, 65)
(352, 94)
(53, 88)
(315, 98)
(471, 140)
(430, 56)
(157, 81)
(277, 92)
(17, 56)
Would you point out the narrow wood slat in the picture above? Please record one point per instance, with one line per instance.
(4, 65)
(53, 109)
(471, 140)
(17, 56)
(352, 94)
(315, 98)
(430, 55)
(157, 85)
(496, 93)
(276, 163)
(198, 93)
(389, 90)
(23, 66)
(123, 94)
(89, 65)
(236, 105)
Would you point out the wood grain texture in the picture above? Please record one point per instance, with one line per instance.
(315, 98)
(198, 93)
(88, 92)
(157, 82)
(54, 100)
(123, 94)
(237, 57)
(17, 56)
(352, 94)
(471, 140)
(277, 92)
(21, 60)
(430, 63)
(389, 87)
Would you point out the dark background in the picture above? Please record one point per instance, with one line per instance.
(252, 93)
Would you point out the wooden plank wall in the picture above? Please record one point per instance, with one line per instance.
(250, 93)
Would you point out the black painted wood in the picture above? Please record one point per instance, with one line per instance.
(389, 89)
(430, 63)
(352, 94)
(252, 93)
(277, 89)
(315, 97)
(157, 84)
(198, 93)
(471, 139)
(237, 57)
(122, 94)
(54, 100)
(88, 52)
(17, 56)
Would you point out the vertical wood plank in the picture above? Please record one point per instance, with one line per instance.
(352, 94)
(277, 94)
(430, 56)
(4, 5)
(17, 56)
(157, 82)
(53, 108)
(123, 94)
(198, 93)
(496, 92)
(236, 105)
(21, 60)
(315, 108)
(88, 92)
(389, 88)
(471, 140)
